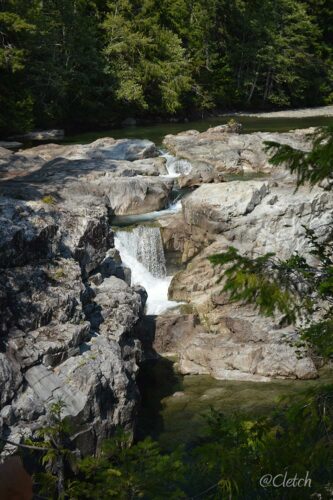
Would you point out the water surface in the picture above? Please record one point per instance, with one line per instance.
(158, 131)
(174, 406)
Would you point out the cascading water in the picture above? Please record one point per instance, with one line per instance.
(176, 166)
(141, 249)
(145, 245)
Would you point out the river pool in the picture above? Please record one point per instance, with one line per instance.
(158, 131)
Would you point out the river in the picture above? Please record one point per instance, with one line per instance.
(173, 406)
(158, 131)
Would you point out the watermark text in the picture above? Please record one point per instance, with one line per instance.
(285, 481)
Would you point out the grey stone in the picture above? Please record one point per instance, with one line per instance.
(43, 135)
(11, 144)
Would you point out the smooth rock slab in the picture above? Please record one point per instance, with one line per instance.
(50, 388)
(211, 206)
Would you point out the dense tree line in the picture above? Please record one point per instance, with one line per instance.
(89, 63)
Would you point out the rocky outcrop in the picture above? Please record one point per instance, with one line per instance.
(123, 175)
(180, 237)
(68, 328)
(174, 330)
(256, 217)
(43, 135)
(233, 153)
(232, 341)
(106, 148)
(211, 207)
(11, 144)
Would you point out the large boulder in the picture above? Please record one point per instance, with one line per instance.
(200, 173)
(139, 195)
(212, 206)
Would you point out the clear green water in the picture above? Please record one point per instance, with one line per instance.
(180, 419)
(173, 419)
(157, 132)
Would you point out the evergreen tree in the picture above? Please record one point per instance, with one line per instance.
(16, 103)
(66, 64)
(146, 62)
(88, 63)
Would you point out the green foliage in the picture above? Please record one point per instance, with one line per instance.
(227, 462)
(314, 166)
(87, 63)
(124, 472)
(55, 439)
(48, 199)
(247, 281)
(289, 287)
(15, 100)
(145, 60)
(295, 439)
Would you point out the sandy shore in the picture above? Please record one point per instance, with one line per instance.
(293, 113)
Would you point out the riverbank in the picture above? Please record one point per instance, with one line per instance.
(323, 111)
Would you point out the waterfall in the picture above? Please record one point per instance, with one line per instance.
(177, 167)
(145, 245)
(141, 249)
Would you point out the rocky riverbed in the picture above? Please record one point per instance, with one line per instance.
(73, 309)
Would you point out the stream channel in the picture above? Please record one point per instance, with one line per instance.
(173, 406)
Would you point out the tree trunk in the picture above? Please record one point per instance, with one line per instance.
(254, 84)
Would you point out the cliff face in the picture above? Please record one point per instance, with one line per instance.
(258, 215)
(68, 315)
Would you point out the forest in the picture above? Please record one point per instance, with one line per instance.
(83, 64)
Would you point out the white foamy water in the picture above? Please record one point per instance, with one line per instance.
(145, 244)
(142, 251)
(176, 166)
